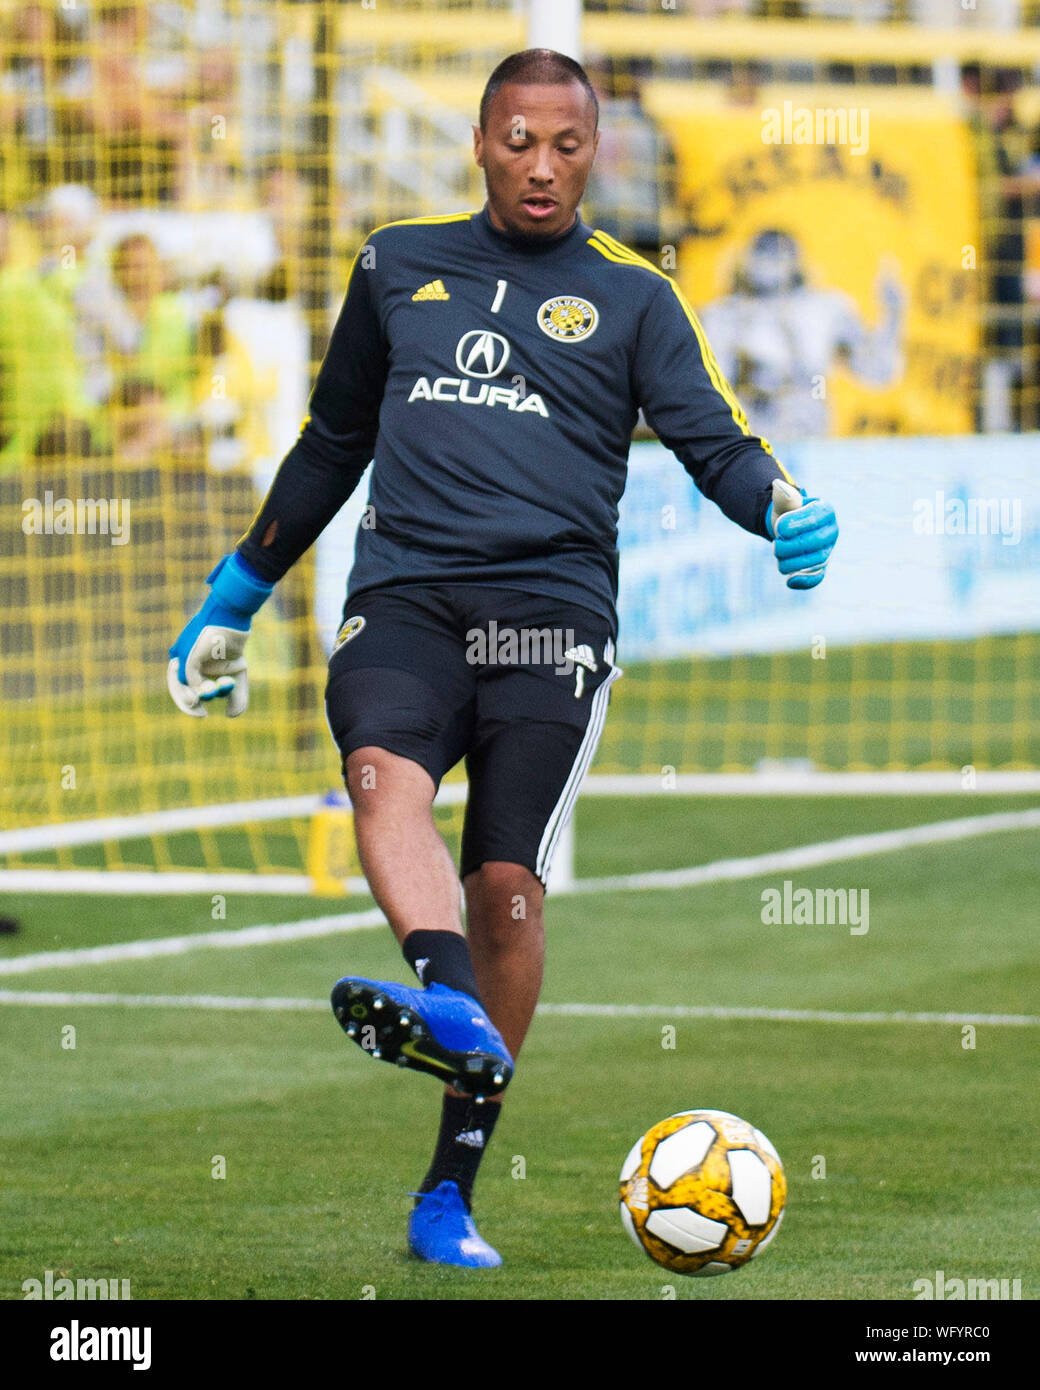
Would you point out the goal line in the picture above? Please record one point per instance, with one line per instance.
(722, 870)
(772, 782)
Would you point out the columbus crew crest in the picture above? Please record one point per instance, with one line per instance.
(568, 319)
(350, 629)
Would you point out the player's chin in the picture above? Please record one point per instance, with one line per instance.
(548, 223)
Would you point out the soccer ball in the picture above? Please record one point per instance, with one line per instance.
(703, 1192)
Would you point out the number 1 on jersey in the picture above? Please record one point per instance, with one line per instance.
(502, 285)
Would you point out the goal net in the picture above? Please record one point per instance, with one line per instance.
(184, 187)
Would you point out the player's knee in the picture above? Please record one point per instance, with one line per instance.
(503, 896)
(497, 878)
(361, 773)
(382, 782)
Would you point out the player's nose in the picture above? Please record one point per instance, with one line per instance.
(541, 172)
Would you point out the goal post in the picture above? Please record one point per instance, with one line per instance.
(556, 24)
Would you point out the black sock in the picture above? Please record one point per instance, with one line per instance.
(441, 957)
(466, 1130)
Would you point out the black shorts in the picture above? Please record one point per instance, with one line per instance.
(513, 682)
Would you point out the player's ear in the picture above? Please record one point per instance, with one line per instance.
(478, 146)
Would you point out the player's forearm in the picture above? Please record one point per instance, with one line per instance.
(739, 480)
(310, 487)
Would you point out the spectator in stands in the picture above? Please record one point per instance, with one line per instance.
(68, 226)
(231, 396)
(631, 193)
(1002, 147)
(41, 378)
(37, 76)
(129, 136)
(287, 198)
(148, 329)
(23, 86)
(213, 177)
(1024, 186)
(144, 431)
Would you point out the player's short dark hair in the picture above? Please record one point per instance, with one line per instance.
(542, 66)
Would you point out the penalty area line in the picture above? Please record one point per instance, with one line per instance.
(720, 871)
(149, 949)
(244, 1003)
(816, 855)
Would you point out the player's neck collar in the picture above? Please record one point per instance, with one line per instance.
(489, 235)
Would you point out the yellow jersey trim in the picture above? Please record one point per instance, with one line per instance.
(431, 221)
(614, 251)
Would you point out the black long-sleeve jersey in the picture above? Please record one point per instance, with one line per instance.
(495, 381)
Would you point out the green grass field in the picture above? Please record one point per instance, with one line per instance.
(928, 1145)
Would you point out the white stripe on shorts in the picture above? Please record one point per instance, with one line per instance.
(564, 808)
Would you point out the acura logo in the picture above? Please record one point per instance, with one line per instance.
(482, 354)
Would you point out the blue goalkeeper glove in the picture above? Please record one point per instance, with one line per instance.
(206, 659)
(803, 531)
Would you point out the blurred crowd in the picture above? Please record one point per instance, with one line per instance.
(129, 223)
(1008, 155)
(942, 14)
(164, 164)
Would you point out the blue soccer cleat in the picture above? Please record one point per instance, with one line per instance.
(441, 1230)
(437, 1029)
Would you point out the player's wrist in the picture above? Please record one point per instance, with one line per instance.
(235, 585)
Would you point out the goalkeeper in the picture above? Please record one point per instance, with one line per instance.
(493, 365)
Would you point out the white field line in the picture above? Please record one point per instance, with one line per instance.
(62, 999)
(199, 941)
(808, 782)
(242, 1003)
(144, 883)
(723, 870)
(150, 883)
(93, 832)
(771, 782)
(779, 1015)
(811, 856)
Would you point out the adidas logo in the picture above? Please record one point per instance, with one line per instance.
(420, 968)
(584, 660)
(434, 290)
(581, 656)
(472, 1138)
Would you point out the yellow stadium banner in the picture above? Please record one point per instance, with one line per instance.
(833, 253)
